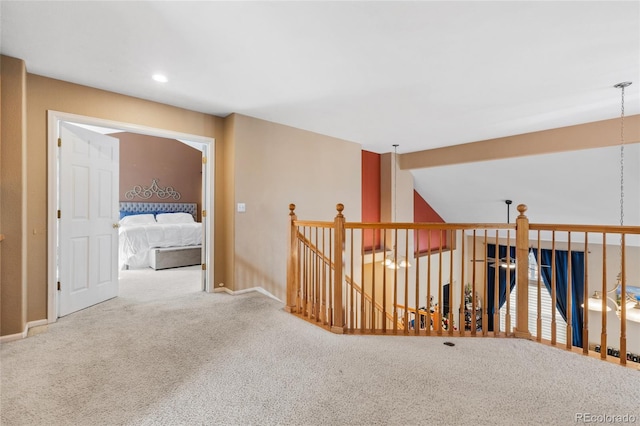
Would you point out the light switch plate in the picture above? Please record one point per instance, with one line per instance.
(242, 208)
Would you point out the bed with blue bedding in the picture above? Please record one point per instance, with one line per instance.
(151, 226)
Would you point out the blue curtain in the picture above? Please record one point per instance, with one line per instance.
(502, 280)
(577, 286)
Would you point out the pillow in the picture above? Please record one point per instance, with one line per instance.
(138, 219)
(174, 218)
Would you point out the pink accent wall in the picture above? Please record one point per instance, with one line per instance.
(371, 195)
(423, 212)
(174, 164)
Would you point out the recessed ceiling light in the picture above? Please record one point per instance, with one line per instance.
(160, 78)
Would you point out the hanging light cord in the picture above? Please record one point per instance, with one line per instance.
(395, 183)
(622, 87)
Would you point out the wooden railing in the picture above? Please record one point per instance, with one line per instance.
(451, 287)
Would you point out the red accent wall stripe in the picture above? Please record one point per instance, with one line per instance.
(423, 212)
(371, 195)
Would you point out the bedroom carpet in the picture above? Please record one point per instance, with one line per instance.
(165, 353)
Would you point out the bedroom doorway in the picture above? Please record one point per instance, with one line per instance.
(55, 189)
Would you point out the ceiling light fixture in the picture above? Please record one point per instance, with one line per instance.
(160, 78)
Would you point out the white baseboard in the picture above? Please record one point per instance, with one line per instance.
(18, 336)
(246, 290)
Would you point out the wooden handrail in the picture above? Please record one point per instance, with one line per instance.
(316, 223)
(318, 285)
(609, 229)
(429, 225)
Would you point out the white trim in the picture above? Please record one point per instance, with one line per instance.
(23, 335)
(53, 118)
(246, 290)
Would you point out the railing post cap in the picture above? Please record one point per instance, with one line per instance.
(522, 208)
(340, 208)
(292, 207)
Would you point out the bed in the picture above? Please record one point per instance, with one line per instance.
(157, 234)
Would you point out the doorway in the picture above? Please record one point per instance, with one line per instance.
(55, 118)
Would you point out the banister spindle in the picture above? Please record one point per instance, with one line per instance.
(292, 261)
(337, 324)
(522, 277)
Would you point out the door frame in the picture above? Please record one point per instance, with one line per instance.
(53, 120)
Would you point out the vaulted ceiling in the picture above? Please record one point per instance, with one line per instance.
(423, 75)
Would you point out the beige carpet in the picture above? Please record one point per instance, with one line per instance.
(164, 353)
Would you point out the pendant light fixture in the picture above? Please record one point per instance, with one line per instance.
(390, 260)
(631, 302)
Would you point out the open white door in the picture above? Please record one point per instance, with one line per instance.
(88, 218)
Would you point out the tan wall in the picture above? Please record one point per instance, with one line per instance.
(225, 180)
(263, 164)
(276, 165)
(45, 94)
(174, 164)
(12, 196)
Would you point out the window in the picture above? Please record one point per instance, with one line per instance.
(545, 312)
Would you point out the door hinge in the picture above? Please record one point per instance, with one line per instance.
(58, 285)
(204, 160)
(59, 214)
(59, 141)
(204, 213)
(204, 266)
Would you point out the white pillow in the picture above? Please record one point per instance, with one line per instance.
(174, 218)
(138, 219)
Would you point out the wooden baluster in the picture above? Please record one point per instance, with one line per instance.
(623, 302)
(318, 278)
(416, 316)
(351, 286)
(507, 317)
(384, 283)
(406, 281)
(363, 318)
(450, 313)
(429, 317)
(522, 277)
(603, 330)
(440, 311)
(585, 311)
(462, 307)
(395, 281)
(539, 319)
(569, 304)
(485, 292)
(373, 282)
(292, 262)
(332, 278)
(496, 288)
(553, 288)
(474, 320)
(337, 325)
(305, 272)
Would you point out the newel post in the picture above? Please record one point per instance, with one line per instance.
(522, 277)
(338, 324)
(293, 265)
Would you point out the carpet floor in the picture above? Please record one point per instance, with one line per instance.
(166, 353)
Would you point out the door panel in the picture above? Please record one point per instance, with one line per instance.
(88, 264)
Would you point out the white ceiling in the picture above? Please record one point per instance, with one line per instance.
(419, 74)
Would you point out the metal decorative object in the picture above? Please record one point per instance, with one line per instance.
(145, 193)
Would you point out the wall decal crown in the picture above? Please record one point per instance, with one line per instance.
(148, 192)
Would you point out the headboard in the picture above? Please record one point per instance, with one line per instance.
(130, 208)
